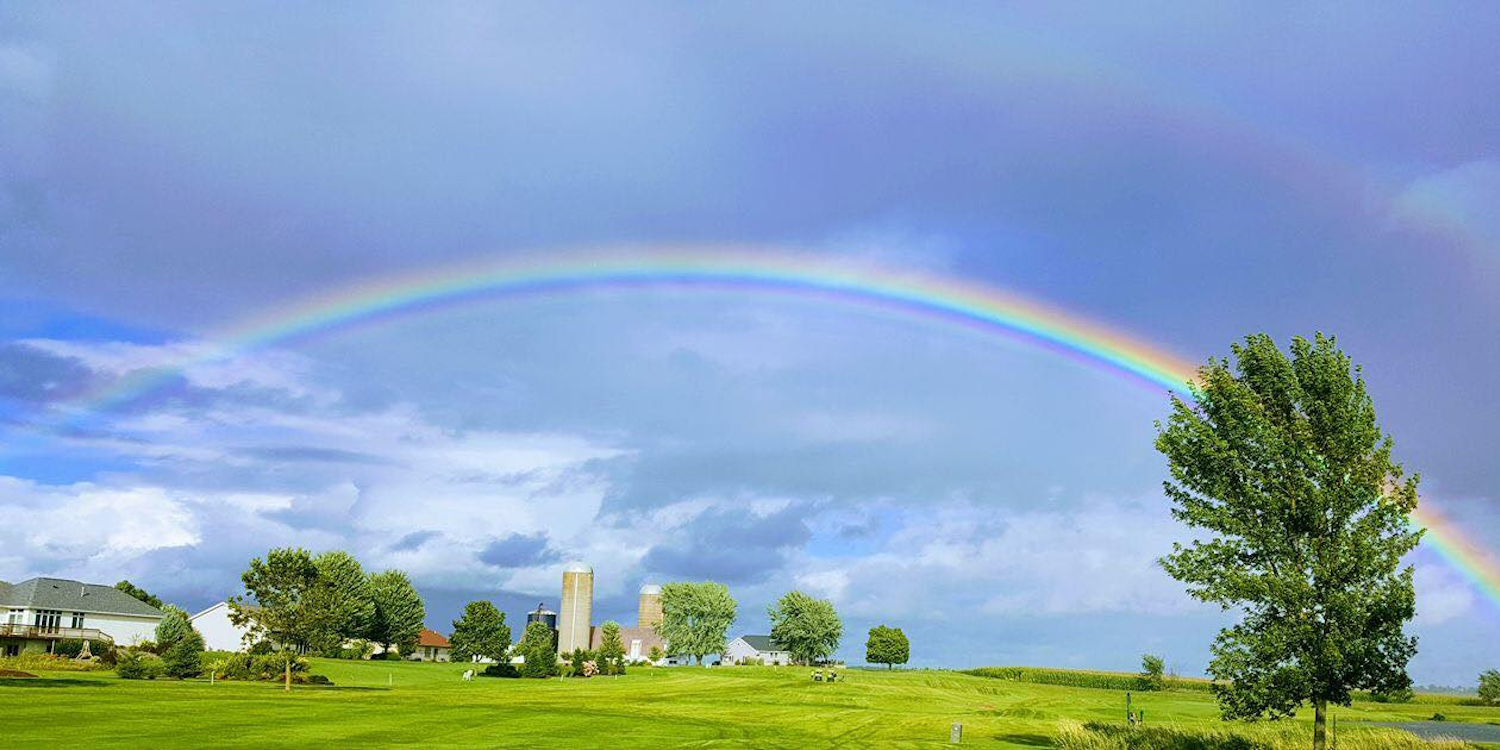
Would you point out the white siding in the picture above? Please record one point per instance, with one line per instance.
(124, 630)
(219, 634)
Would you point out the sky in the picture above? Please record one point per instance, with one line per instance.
(1182, 174)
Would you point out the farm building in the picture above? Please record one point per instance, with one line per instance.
(41, 611)
(219, 634)
(756, 648)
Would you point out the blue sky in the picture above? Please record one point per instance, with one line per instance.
(1186, 174)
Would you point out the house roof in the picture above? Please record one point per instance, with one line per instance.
(647, 636)
(74, 596)
(761, 643)
(432, 638)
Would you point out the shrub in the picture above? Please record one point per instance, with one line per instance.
(357, 649)
(260, 648)
(173, 627)
(504, 669)
(137, 664)
(252, 667)
(185, 657)
(51, 662)
(579, 660)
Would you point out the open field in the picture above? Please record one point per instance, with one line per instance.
(380, 703)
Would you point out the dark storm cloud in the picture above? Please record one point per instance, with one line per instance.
(33, 375)
(731, 544)
(519, 551)
(414, 540)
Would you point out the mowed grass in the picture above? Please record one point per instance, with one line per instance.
(380, 703)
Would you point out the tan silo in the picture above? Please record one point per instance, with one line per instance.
(577, 608)
(649, 615)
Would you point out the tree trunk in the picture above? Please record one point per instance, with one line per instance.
(1320, 724)
(289, 672)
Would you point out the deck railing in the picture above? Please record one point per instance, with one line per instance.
(41, 632)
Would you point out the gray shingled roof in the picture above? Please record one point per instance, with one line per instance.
(762, 643)
(74, 596)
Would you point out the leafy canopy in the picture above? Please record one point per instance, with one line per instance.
(480, 632)
(696, 617)
(339, 601)
(887, 646)
(1489, 686)
(538, 650)
(138, 593)
(277, 607)
(398, 611)
(1301, 520)
(807, 627)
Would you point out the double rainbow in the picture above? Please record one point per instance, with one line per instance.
(951, 300)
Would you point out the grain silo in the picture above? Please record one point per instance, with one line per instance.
(649, 614)
(546, 617)
(577, 607)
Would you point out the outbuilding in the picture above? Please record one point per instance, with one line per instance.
(753, 649)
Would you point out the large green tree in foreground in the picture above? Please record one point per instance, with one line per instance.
(1300, 516)
(695, 617)
(807, 627)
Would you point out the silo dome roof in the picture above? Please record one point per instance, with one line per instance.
(578, 566)
(651, 588)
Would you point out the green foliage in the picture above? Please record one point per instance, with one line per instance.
(1404, 695)
(807, 627)
(887, 646)
(577, 659)
(501, 669)
(339, 602)
(261, 647)
(1302, 518)
(280, 587)
(1489, 686)
(1101, 736)
(184, 658)
(252, 667)
(1151, 677)
(398, 611)
(358, 648)
(135, 664)
(480, 632)
(695, 617)
(537, 649)
(51, 662)
(138, 593)
(1081, 678)
(174, 626)
(656, 654)
(611, 649)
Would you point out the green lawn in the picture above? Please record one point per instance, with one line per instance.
(379, 703)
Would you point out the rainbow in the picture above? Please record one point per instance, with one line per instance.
(1449, 542)
(906, 292)
(956, 301)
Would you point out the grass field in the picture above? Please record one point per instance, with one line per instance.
(388, 703)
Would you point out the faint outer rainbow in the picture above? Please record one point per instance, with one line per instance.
(906, 292)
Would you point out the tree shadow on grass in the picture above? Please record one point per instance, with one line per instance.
(1029, 740)
(47, 682)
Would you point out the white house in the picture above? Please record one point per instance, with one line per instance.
(750, 648)
(42, 611)
(219, 634)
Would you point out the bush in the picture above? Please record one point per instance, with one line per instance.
(578, 660)
(185, 657)
(136, 664)
(505, 669)
(173, 627)
(263, 667)
(357, 649)
(31, 662)
(261, 648)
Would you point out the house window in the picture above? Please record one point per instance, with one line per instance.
(77, 620)
(16, 617)
(48, 619)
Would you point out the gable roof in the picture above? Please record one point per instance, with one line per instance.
(432, 638)
(761, 643)
(74, 596)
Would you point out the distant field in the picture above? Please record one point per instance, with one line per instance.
(379, 703)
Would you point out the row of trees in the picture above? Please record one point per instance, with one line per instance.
(303, 602)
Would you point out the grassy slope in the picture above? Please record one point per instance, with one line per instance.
(736, 707)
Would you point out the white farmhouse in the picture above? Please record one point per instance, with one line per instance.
(219, 634)
(42, 611)
(756, 648)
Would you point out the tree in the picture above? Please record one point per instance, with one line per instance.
(887, 646)
(1301, 519)
(480, 632)
(185, 657)
(398, 612)
(695, 617)
(139, 593)
(174, 626)
(538, 651)
(611, 648)
(807, 627)
(280, 587)
(656, 654)
(1489, 686)
(339, 602)
(1152, 668)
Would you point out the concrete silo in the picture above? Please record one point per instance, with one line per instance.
(577, 608)
(649, 614)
